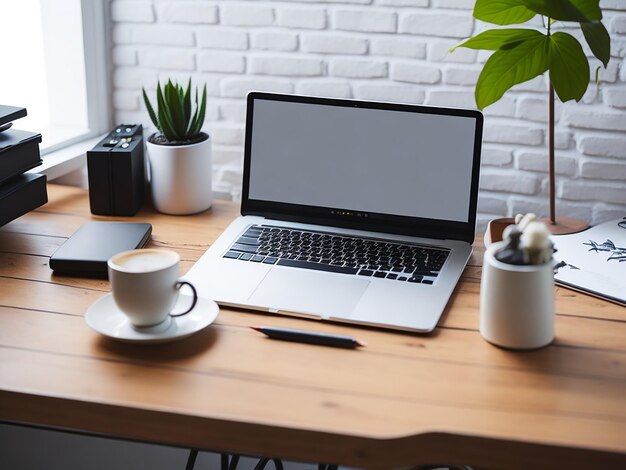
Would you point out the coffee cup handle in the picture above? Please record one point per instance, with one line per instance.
(180, 284)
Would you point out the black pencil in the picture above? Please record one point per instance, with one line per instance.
(312, 337)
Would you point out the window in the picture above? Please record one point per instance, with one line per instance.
(54, 63)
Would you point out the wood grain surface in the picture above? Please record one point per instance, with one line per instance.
(405, 399)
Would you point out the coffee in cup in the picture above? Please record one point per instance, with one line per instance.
(146, 285)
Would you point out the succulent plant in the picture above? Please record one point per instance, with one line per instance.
(175, 119)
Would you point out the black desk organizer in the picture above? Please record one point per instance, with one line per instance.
(20, 192)
(116, 172)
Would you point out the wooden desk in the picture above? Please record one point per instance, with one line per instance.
(404, 399)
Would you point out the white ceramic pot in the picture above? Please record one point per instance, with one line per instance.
(516, 303)
(180, 177)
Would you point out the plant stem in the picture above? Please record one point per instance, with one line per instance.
(551, 143)
(551, 149)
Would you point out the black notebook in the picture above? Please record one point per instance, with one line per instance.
(20, 195)
(88, 250)
(10, 113)
(19, 152)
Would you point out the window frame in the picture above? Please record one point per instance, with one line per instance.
(69, 156)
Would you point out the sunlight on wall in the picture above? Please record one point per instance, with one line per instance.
(23, 75)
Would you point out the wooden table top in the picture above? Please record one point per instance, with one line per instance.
(404, 399)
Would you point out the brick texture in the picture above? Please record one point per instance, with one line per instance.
(388, 50)
(336, 44)
(329, 88)
(188, 12)
(370, 20)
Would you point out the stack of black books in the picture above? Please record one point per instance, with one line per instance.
(20, 192)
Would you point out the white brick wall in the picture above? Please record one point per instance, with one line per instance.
(393, 50)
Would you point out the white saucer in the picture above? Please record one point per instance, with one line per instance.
(106, 318)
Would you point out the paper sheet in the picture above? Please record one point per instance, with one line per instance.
(594, 260)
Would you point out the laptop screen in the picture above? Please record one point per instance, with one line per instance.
(363, 160)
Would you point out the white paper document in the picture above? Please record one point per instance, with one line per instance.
(594, 260)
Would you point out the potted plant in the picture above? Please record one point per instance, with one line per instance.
(179, 152)
(521, 54)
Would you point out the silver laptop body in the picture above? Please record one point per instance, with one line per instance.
(352, 211)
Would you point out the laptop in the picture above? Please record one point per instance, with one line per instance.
(352, 211)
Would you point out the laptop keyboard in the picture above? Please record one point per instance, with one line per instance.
(339, 253)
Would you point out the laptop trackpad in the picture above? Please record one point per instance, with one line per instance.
(311, 292)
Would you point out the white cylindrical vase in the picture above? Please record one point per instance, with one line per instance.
(180, 177)
(516, 303)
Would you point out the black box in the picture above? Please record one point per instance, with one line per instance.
(19, 152)
(21, 194)
(116, 172)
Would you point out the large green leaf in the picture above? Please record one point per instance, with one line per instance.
(187, 105)
(589, 8)
(494, 39)
(164, 116)
(174, 102)
(564, 10)
(569, 69)
(598, 39)
(151, 112)
(508, 67)
(196, 126)
(502, 11)
(194, 120)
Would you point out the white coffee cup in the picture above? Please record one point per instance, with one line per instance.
(145, 285)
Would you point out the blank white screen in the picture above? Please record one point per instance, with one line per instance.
(367, 160)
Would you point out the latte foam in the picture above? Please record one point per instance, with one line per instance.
(145, 260)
